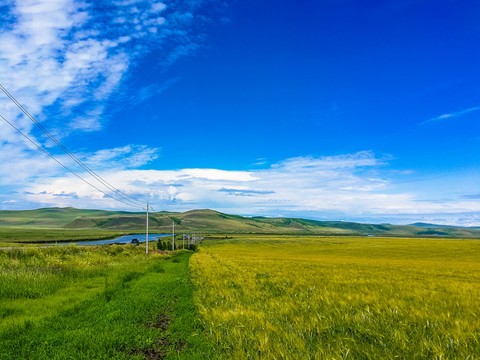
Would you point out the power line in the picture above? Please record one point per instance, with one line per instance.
(64, 166)
(112, 188)
(192, 239)
(154, 212)
(173, 231)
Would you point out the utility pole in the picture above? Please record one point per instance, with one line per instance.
(146, 249)
(173, 236)
(183, 241)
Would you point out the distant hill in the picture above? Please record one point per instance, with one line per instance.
(437, 226)
(210, 221)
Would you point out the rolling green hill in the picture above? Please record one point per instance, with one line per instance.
(50, 217)
(209, 221)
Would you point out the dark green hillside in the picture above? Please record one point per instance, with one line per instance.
(122, 222)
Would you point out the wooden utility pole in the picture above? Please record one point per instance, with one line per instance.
(146, 249)
(173, 236)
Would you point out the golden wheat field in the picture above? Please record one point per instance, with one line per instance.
(284, 297)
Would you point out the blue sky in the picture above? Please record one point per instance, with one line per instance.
(341, 110)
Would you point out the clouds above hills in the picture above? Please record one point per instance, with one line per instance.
(351, 186)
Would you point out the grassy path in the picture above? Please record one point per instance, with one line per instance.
(128, 307)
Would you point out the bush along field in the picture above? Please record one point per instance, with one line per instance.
(280, 297)
(102, 302)
(14, 237)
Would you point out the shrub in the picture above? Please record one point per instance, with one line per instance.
(193, 247)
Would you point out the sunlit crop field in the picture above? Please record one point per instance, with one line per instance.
(340, 298)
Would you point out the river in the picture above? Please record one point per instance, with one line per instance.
(126, 239)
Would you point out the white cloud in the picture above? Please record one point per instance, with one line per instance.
(52, 54)
(64, 58)
(20, 165)
(158, 7)
(28, 166)
(129, 156)
(260, 161)
(334, 187)
(451, 115)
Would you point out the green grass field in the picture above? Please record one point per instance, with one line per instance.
(20, 236)
(246, 297)
(270, 297)
(104, 302)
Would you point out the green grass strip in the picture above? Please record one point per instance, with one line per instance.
(146, 313)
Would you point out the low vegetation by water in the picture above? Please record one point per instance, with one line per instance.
(101, 302)
(12, 237)
(340, 298)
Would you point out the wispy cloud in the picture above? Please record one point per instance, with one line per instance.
(259, 162)
(65, 58)
(240, 192)
(451, 115)
(146, 92)
(129, 156)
